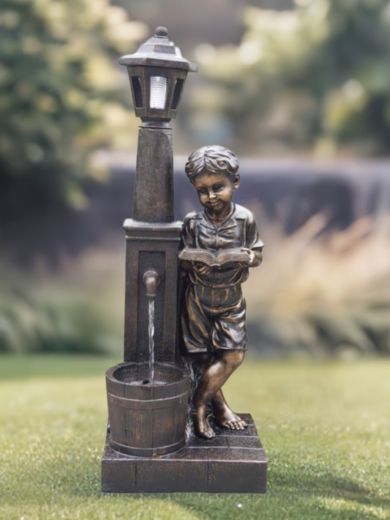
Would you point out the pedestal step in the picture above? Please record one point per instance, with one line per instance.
(233, 462)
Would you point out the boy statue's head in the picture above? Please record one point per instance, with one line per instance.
(213, 172)
(212, 159)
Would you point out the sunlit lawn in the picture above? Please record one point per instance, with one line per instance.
(326, 429)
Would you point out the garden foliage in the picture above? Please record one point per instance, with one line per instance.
(60, 97)
(323, 294)
(312, 78)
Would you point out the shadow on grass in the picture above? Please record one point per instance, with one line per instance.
(301, 494)
(297, 495)
(327, 485)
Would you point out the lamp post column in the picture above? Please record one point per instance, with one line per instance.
(157, 72)
(153, 191)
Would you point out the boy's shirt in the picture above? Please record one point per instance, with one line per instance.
(237, 230)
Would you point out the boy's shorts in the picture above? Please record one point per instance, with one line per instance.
(213, 319)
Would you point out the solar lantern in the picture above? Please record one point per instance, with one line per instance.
(157, 72)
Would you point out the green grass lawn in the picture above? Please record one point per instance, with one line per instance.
(325, 427)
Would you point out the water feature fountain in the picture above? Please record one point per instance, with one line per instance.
(151, 281)
(148, 395)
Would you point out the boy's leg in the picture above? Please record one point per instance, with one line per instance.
(213, 376)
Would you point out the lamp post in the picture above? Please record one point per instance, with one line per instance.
(157, 72)
(148, 394)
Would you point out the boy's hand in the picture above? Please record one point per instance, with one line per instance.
(254, 256)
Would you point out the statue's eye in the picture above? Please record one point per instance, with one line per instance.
(218, 187)
(202, 191)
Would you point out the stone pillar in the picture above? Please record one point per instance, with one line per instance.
(153, 191)
(151, 246)
(152, 242)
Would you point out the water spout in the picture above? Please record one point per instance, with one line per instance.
(151, 280)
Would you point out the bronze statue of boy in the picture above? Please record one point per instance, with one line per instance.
(219, 246)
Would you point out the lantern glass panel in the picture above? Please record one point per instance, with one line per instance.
(177, 93)
(158, 92)
(137, 90)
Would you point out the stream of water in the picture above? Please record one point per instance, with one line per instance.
(151, 338)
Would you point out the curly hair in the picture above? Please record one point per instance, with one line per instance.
(212, 159)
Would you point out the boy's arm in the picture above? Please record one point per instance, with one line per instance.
(254, 245)
(187, 240)
(188, 231)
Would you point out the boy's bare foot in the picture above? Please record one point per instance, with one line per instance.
(202, 427)
(226, 418)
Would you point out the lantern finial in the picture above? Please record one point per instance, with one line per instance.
(161, 32)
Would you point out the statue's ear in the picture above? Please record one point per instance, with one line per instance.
(236, 182)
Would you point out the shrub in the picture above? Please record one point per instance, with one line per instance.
(60, 97)
(48, 322)
(323, 294)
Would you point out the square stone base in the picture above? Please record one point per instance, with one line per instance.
(233, 462)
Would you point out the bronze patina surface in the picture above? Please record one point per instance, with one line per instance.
(184, 310)
(220, 244)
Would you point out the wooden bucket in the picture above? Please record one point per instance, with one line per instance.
(147, 419)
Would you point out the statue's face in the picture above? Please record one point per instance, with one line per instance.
(215, 192)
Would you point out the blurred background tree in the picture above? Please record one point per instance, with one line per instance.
(310, 79)
(60, 98)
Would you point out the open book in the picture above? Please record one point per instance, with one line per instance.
(217, 259)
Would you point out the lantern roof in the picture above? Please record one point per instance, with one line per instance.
(158, 51)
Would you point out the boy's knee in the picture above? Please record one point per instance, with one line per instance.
(239, 356)
(234, 357)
